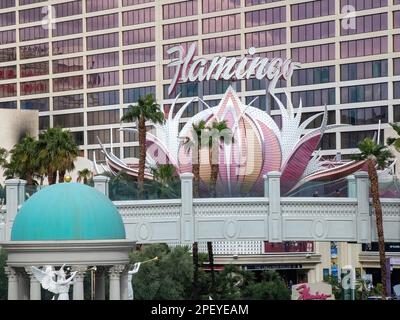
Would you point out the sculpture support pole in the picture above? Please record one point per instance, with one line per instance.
(115, 275)
(100, 288)
(124, 285)
(34, 286)
(78, 293)
(12, 283)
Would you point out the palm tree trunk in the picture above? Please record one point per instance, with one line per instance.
(51, 176)
(214, 179)
(211, 261)
(85, 180)
(61, 175)
(195, 284)
(142, 153)
(373, 176)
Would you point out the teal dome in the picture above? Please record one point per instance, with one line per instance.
(68, 211)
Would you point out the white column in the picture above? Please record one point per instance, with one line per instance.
(124, 285)
(77, 292)
(12, 196)
(363, 211)
(12, 283)
(274, 198)
(34, 286)
(188, 233)
(100, 285)
(115, 275)
(101, 184)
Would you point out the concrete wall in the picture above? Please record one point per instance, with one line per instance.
(14, 124)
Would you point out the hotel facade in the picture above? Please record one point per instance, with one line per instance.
(82, 63)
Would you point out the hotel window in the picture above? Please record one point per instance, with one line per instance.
(396, 42)
(316, 53)
(312, 98)
(185, 46)
(34, 51)
(396, 19)
(396, 113)
(33, 33)
(266, 38)
(254, 84)
(8, 90)
(264, 17)
(67, 27)
(312, 9)
(396, 66)
(328, 142)
(214, 6)
(396, 90)
(8, 105)
(103, 135)
(221, 24)
(70, 120)
(34, 87)
(74, 101)
(103, 117)
(262, 103)
(180, 9)
(108, 21)
(78, 137)
(68, 65)
(103, 79)
(8, 54)
(353, 138)
(103, 98)
(364, 4)
(36, 104)
(133, 95)
(364, 93)
(363, 116)
(68, 9)
(67, 46)
(138, 36)
(139, 16)
(24, 2)
(31, 15)
(100, 5)
(7, 4)
(140, 55)
(8, 72)
(126, 3)
(364, 70)
(44, 122)
(302, 77)
(34, 69)
(191, 109)
(7, 19)
(139, 75)
(222, 44)
(130, 136)
(131, 152)
(212, 87)
(103, 60)
(313, 31)
(180, 29)
(186, 90)
(102, 41)
(363, 47)
(68, 83)
(272, 54)
(369, 23)
(7, 36)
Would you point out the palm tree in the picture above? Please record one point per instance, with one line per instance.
(24, 160)
(376, 155)
(58, 151)
(3, 157)
(84, 175)
(167, 179)
(146, 109)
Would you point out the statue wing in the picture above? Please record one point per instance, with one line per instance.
(45, 279)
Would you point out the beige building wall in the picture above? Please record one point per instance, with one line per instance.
(14, 125)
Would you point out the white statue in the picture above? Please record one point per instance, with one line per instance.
(135, 269)
(54, 281)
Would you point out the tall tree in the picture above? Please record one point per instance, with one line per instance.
(376, 156)
(24, 160)
(84, 175)
(146, 109)
(58, 152)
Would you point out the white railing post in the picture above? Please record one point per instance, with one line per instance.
(351, 186)
(274, 198)
(101, 184)
(187, 234)
(363, 210)
(13, 198)
(266, 189)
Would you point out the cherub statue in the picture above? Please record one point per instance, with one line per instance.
(54, 281)
(135, 269)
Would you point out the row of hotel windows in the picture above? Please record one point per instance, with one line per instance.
(314, 31)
